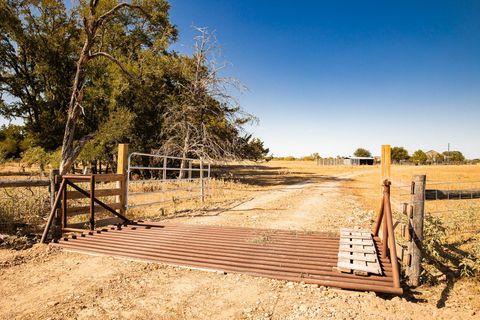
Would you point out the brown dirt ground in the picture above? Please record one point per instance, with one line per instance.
(46, 283)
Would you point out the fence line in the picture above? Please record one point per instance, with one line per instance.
(169, 174)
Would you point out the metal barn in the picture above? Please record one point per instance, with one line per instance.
(359, 161)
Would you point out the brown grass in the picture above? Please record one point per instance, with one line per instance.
(452, 227)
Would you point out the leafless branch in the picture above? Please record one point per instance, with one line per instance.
(113, 59)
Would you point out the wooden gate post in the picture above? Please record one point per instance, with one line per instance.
(202, 186)
(122, 167)
(386, 161)
(53, 188)
(415, 246)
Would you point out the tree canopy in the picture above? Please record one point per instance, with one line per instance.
(399, 154)
(361, 152)
(454, 156)
(419, 157)
(104, 70)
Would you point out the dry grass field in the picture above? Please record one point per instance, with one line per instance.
(295, 195)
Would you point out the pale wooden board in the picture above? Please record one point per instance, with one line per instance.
(347, 236)
(349, 248)
(357, 253)
(356, 241)
(360, 256)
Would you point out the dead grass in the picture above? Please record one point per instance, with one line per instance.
(233, 183)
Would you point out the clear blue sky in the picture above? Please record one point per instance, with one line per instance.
(330, 76)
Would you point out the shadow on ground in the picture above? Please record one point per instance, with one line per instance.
(445, 264)
(267, 176)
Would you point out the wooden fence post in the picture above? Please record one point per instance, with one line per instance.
(122, 167)
(202, 187)
(386, 162)
(164, 176)
(190, 170)
(415, 246)
(53, 188)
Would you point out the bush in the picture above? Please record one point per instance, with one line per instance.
(36, 156)
(361, 152)
(419, 157)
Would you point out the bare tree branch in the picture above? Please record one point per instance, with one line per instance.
(113, 59)
(119, 6)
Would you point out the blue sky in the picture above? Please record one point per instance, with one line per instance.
(330, 76)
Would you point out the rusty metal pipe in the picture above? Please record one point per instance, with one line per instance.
(391, 240)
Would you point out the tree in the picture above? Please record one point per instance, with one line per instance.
(203, 119)
(419, 157)
(38, 48)
(68, 72)
(255, 150)
(38, 156)
(454, 156)
(435, 157)
(399, 154)
(106, 27)
(361, 152)
(103, 146)
(12, 141)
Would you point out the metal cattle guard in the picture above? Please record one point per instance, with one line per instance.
(204, 169)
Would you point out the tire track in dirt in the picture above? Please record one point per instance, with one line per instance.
(305, 206)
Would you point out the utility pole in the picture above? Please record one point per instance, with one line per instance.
(448, 153)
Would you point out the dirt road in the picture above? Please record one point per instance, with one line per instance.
(41, 283)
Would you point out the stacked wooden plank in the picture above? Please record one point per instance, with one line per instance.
(357, 253)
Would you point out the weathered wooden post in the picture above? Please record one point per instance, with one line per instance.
(386, 162)
(53, 188)
(164, 176)
(415, 246)
(122, 168)
(202, 187)
(190, 170)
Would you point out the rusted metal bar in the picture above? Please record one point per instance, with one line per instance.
(52, 213)
(92, 202)
(391, 238)
(64, 207)
(384, 233)
(289, 256)
(378, 223)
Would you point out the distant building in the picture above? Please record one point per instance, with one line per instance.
(359, 161)
(434, 156)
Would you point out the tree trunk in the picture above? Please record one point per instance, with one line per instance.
(69, 153)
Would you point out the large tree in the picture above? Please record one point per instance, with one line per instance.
(454, 156)
(203, 119)
(39, 44)
(72, 74)
(419, 157)
(399, 154)
(118, 32)
(362, 152)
